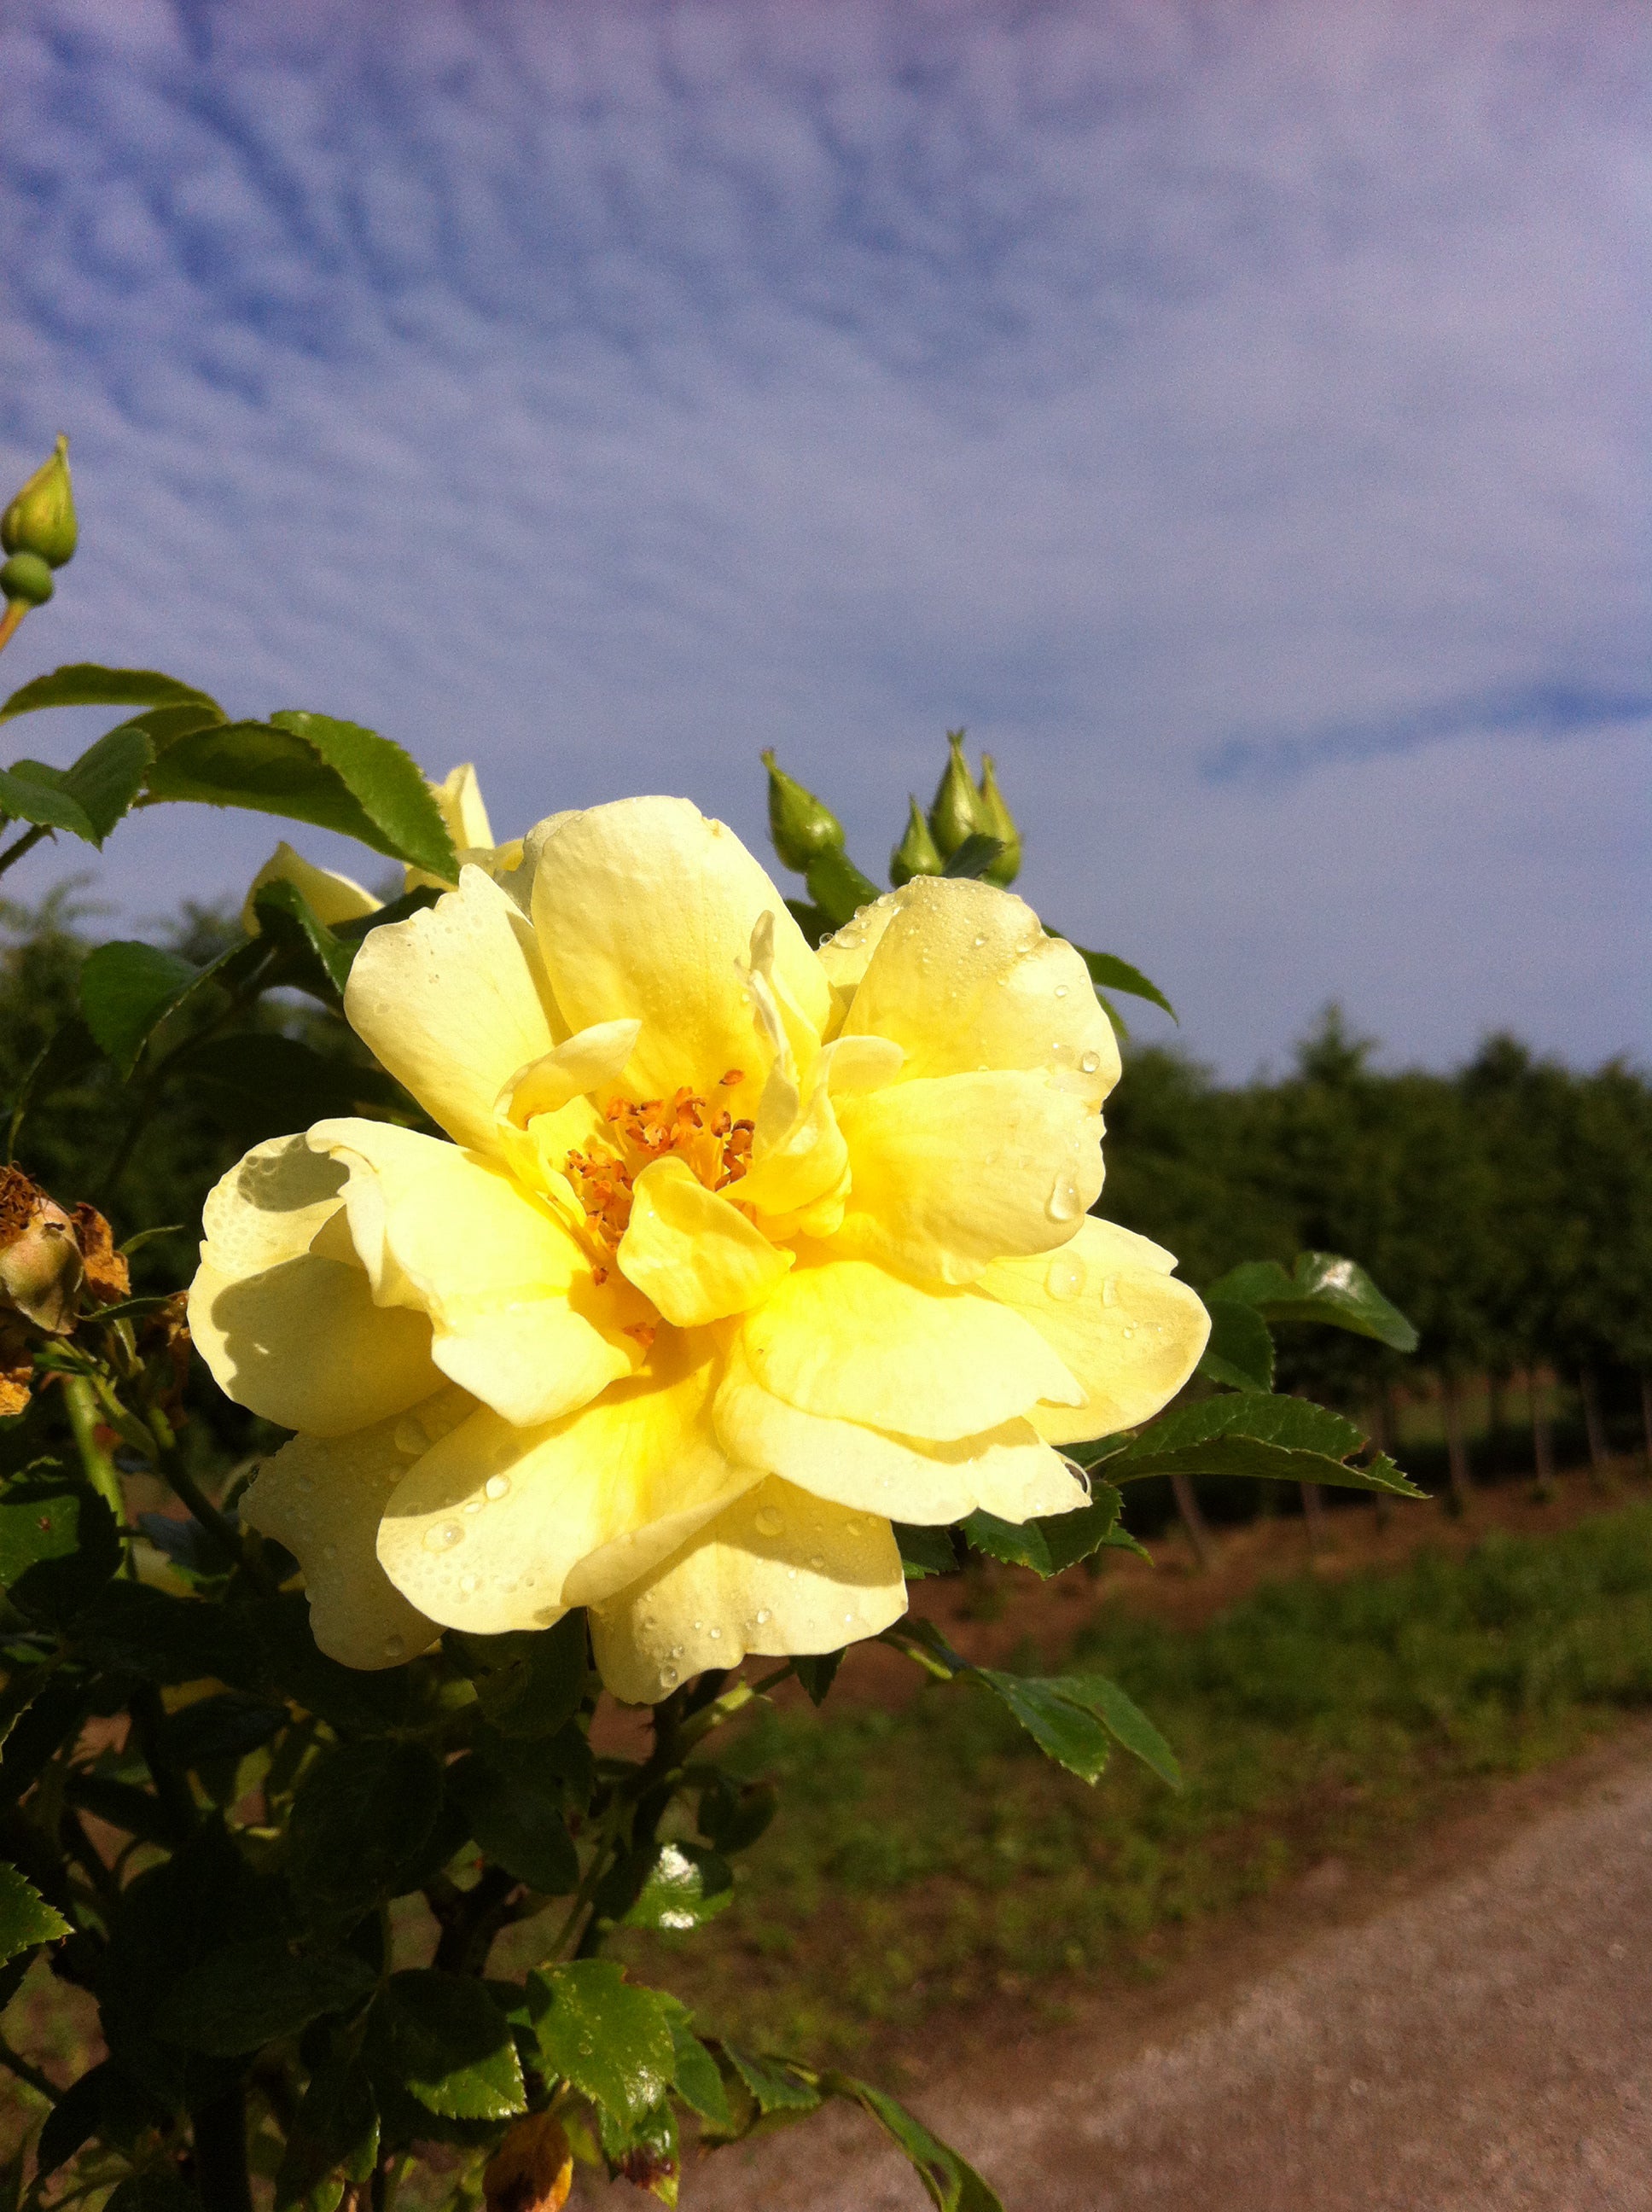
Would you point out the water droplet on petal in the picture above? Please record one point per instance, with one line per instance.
(769, 1522)
(817, 1561)
(330, 1550)
(1060, 990)
(1109, 1292)
(394, 1647)
(443, 1536)
(498, 1485)
(676, 1650)
(668, 1676)
(715, 1634)
(1064, 1202)
(1090, 1062)
(473, 1505)
(306, 1484)
(1064, 1278)
(469, 1585)
(763, 1615)
(981, 939)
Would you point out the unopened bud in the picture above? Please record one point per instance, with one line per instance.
(956, 814)
(801, 826)
(533, 2170)
(997, 821)
(40, 1265)
(915, 854)
(41, 519)
(27, 577)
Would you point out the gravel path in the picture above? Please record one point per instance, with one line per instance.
(1484, 2045)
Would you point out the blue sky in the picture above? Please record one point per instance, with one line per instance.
(1235, 415)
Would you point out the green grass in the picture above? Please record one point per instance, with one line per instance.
(934, 1858)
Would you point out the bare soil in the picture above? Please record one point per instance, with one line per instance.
(1470, 2032)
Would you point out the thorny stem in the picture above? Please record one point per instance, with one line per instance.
(80, 1401)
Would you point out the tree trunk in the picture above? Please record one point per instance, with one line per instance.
(1496, 1392)
(1313, 1512)
(1542, 1435)
(1197, 1528)
(1595, 1429)
(1451, 1401)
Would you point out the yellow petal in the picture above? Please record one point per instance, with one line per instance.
(962, 976)
(458, 797)
(779, 1572)
(289, 1333)
(695, 1255)
(586, 1061)
(1122, 1324)
(323, 1500)
(1008, 1471)
(950, 1172)
(643, 910)
(848, 1340)
(332, 898)
(453, 1001)
(519, 1320)
(486, 1532)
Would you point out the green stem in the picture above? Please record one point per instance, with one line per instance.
(12, 621)
(80, 1402)
(220, 2172)
(149, 1715)
(17, 2064)
(26, 844)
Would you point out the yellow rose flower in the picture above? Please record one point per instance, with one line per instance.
(737, 1252)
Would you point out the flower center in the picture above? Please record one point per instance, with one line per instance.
(714, 1147)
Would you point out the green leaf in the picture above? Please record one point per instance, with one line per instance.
(164, 726)
(263, 1084)
(925, 1552)
(1240, 1349)
(1282, 1439)
(333, 2140)
(84, 683)
(1107, 972)
(816, 1671)
(126, 990)
(361, 1819)
(1320, 1287)
(108, 776)
(287, 920)
(31, 792)
(1017, 1544)
(975, 856)
(776, 2085)
(58, 1546)
(513, 1812)
(648, 2154)
(257, 1992)
(26, 1918)
(608, 2037)
(694, 2076)
(73, 2120)
(528, 1681)
(69, 1050)
(388, 785)
(951, 2182)
(1123, 1720)
(1070, 1733)
(731, 1819)
(447, 2042)
(155, 2191)
(684, 1887)
(1069, 1537)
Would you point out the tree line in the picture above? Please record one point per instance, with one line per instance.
(1506, 1207)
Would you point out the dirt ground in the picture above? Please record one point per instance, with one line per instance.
(1471, 2032)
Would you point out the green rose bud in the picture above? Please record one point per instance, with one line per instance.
(956, 813)
(997, 821)
(26, 577)
(41, 519)
(915, 854)
(801, 826)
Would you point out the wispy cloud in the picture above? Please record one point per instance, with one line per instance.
(607, 392)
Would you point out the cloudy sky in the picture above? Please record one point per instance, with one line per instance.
(1235, 415)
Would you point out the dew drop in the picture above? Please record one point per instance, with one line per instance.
(856, 1525)
(1060, 990)
(1064, 1278)
(817, 1561)
(330, 1550)
(769, 1522)
(981, 939)
(1064, 1203)
(677, 1652)
(443, 1536)
(394, 1647)
(715, 1634)
(498, 1485)
(586, 2046)
(668, 1676)
(473, 1505)
(306, 1484)
(1126, 1332)
(848, 1620)
(1109, 1292)
(763, 1615)
(698, 1626)
(791, 1574)
(469, 1585)
(1090, 1062)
